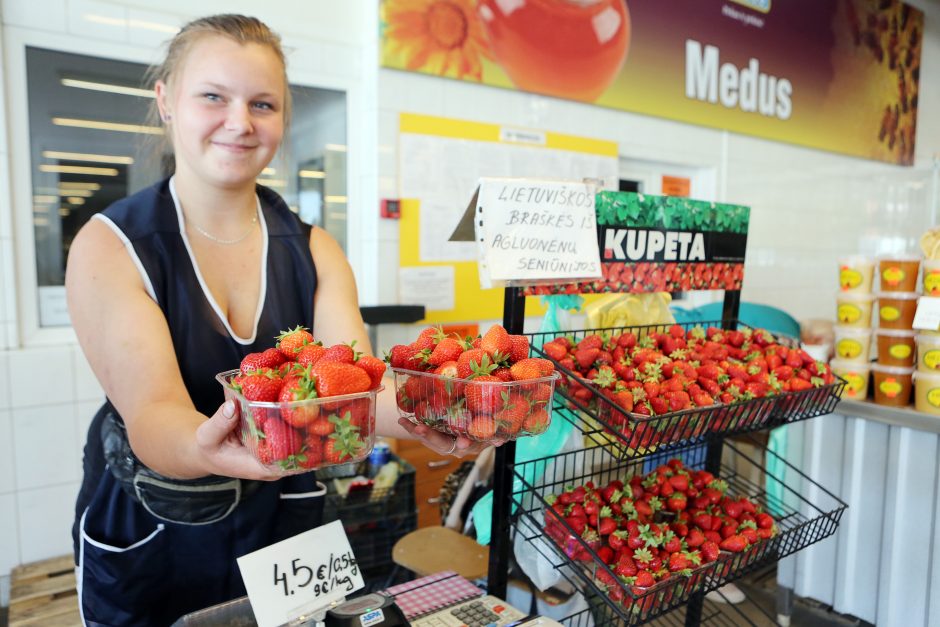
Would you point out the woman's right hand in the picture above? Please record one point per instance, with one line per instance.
(217, 440)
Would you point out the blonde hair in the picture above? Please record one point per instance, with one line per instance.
(239, 28)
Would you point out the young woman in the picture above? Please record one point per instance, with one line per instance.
(172, 285)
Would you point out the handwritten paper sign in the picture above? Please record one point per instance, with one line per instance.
(927, 317)
(300, 575)
(532, 231)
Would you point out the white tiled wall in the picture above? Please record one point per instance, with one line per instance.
(808, 207)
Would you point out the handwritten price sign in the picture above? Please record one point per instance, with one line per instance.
(300, 575)
(530, 231)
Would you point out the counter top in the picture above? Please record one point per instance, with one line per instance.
(898, 416)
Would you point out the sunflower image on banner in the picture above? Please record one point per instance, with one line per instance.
(841, 75)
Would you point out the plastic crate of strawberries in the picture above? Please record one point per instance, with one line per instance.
(659, 386)
(304, 406)
(486, 388)
(649, 541)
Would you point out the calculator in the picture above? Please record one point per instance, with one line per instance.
(478, 612)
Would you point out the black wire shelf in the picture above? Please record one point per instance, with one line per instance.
(627, 436)
(725, 614)
(801, 522)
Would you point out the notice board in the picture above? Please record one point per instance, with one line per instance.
(440, 163)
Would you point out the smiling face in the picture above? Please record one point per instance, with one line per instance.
(225, 110)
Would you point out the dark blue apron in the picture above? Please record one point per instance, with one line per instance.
(136, 567)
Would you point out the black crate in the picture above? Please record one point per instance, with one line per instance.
(375, 520)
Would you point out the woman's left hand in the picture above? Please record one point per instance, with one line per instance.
(442, 443)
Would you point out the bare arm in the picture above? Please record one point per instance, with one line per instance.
(125, 338)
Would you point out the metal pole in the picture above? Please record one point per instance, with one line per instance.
(498, 576)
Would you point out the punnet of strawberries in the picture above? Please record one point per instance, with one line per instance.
(303, 405)
(650, 531)
(485, 388)
(646, 374)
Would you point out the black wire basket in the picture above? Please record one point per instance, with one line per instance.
(630, 436)
(801, 522)
(713, 614)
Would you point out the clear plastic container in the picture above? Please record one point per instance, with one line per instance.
(895, 347)
(856, 375)
(928, 352)
(855, 274)
(491, 412)
(896, 310)
(892, 385)
(852, 343)
(338, 430)
(931, 277)
(927, 392)
(854, 309)
(898, 273)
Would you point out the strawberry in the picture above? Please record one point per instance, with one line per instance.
(483, 397)
(312, 454)
(310, 353)
(765, 520)
(644, 579)
(271, 358)
(606, 525)
(335, 451)
(676, 502)
(732, 508)
(335, 378)
(519, 348)
(280, 442)
(536, 422)
(374, 367)
(555, 350)
(734, 543)
(321, 427)
(401, 356)
(513, 413)
(260, 387)
(291, 341)
(585, 357)
(695, 538)
(448, 349)
(298, 389)
(678, 561)
(474, 361)
(710, 551)
(503, 374)
(342, 353)
(496, 342)
(428, 338)
(625, 567)
(531, 368)
(481, 428)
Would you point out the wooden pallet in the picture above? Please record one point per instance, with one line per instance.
(43, 593)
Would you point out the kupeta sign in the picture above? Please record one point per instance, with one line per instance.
(663, 244)
(785, 70)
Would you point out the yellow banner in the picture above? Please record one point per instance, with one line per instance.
(837, 75)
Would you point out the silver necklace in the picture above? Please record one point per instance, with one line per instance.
(229, 242)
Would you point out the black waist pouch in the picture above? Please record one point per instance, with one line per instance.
(200, 501)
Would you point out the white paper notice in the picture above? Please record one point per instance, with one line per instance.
(442, 173)
(927, 317)
(531, 230)
(300, 575)
(431, 286)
